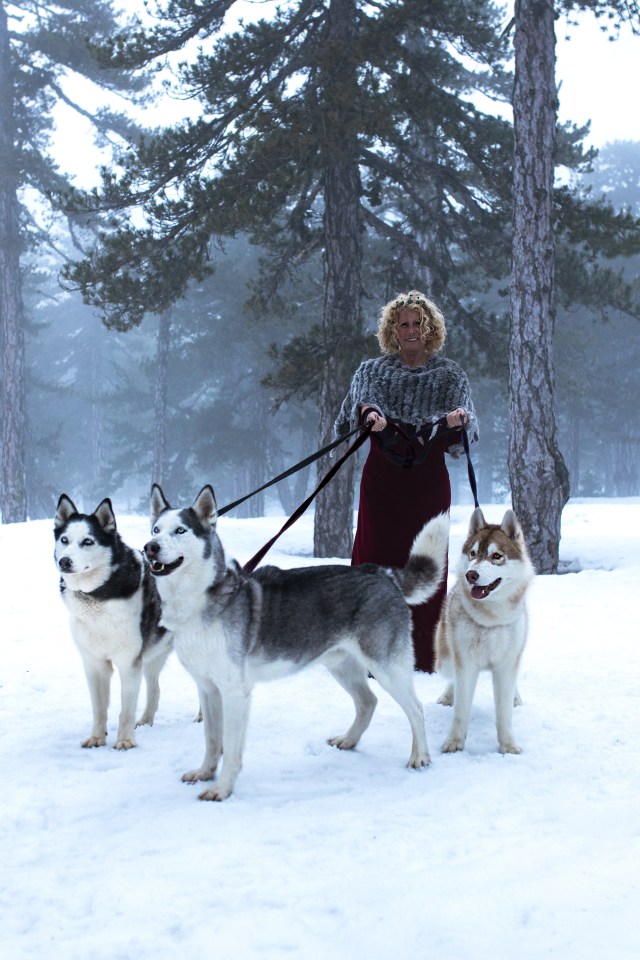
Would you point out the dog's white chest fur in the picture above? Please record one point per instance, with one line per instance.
(202, 649)
(487, 644)
(108, 630)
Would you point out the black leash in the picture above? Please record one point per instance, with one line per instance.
(365, 432)
(298, 466)
(471, 472)
(251, 564)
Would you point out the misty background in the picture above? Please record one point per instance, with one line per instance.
(215, 363)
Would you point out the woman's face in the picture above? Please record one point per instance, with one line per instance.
(408, 329)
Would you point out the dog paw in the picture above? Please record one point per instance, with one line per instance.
(418, 761)
(510, 747)
(124, 744)
(342, 743)
(194, 776)
(446, 698)
(145, 721)
(453, 745)
(215, 793)
(94, 742)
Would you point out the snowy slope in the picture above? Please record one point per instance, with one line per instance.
(108, 856)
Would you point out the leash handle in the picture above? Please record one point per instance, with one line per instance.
(251, 564)
(421, 456)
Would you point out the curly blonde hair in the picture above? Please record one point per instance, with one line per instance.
(432, 327)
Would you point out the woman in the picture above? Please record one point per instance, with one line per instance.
(409, 395)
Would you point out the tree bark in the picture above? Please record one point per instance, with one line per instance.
(573, 451)
(342, 323)
(13, 493)
(160, 399)
(624, 462)
(96, 467)
(539, 478)
(255, 468)
(333, 527)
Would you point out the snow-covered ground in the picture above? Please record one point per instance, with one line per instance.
(106, 855)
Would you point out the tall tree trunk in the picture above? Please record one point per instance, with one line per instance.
(573, 450)
(255, 469)
(97, 424)
(13, 493)
(539, 478)
(160, 400)
(424, 254)
(624, 461)
(424, 226)
(343, 339)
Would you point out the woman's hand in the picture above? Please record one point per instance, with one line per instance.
(378, 421)
(457, 417)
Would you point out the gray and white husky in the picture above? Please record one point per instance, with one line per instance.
(233, 628)
(483, 625)
(114, 613)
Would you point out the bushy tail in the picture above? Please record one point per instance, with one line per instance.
(425, 567)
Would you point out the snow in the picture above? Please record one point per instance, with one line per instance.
(106, 855)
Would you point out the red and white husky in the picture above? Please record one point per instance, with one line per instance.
(484, 625)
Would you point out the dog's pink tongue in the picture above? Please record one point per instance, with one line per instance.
(479, 593)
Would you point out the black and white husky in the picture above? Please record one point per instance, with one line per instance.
(484, 625)
(232, 628)
(114, 612)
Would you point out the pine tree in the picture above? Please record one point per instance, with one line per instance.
(313, 124)
(40, 48)
(538, 473)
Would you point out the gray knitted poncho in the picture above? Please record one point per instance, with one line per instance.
(408, 395)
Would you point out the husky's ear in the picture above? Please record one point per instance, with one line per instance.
(511, 526)
(65, 509)
(159, 502)
(105, 516)
(205, 508)
(477, 521)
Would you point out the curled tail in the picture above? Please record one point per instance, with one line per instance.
(424, 570)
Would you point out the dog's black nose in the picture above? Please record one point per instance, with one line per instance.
(472, 576)
(65, 564)
(151, 549)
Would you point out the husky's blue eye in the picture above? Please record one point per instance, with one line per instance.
(64, 540)
(181, 530)
(155, 530)
(87, 542)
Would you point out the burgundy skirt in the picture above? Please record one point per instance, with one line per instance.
(395, 503)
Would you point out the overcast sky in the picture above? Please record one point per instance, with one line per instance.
(599, 81)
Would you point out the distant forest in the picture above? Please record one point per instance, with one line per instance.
(92, 392)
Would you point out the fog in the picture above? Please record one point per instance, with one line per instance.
(100, 425)
(94, 411)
